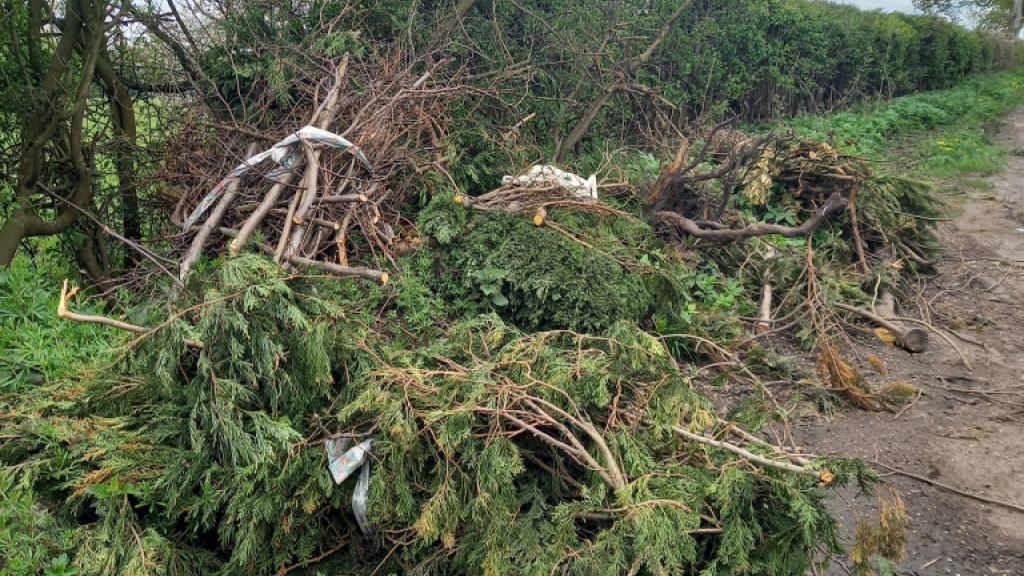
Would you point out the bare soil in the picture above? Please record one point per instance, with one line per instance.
(966, 429)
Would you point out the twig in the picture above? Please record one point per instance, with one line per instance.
(282, 243)
(283, 570)
(952, 489)
(911, 405)
(834, 204)
(967, 339)
(199, 240)
(299, 217)
(155, 259)
(63, 312)
(379, 276)
(858, 243)
(259, 214)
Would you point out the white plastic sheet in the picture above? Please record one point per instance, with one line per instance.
(342, 462)
(359, 501)
(541, 174)
(285, 153)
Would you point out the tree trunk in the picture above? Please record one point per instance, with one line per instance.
(52, 125)
(89, 256)
(1017, 4)
(11, 234)
(122, 114)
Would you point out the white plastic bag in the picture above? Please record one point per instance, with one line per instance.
(342, 465)
(285, 153)
(342, 461)
(547, 174)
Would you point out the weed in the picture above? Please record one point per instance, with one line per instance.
(35, 345)
(961, 150)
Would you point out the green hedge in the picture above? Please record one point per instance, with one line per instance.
(762, 59)
(780, 57)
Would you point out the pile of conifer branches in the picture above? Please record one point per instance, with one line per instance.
(490, 450)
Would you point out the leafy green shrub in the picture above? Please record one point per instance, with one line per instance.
(535, 277)
(186, 460)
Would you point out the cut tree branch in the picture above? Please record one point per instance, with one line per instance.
(823, 476)
(67, 295)
(835, 203)
(622, 83)
(913, 339)
(63, 312)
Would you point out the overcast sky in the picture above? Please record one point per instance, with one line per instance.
(897, 5)
(888, 5)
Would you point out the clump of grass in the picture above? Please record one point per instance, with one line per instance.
(35, 345)
(961, 150)
(975, 183)
(875, 130)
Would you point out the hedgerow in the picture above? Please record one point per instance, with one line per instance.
(759, 59)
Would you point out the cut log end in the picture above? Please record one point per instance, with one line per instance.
(384, 277)
(914, 340)
(459, 199)
(540, 216)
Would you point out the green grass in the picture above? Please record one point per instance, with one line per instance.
(960, 150)
(35, 345)
(31, 539)
(956, 117)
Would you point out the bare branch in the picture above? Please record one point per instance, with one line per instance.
(835, 203)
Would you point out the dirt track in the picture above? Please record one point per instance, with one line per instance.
(967, 428)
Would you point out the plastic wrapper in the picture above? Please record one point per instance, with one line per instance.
(359, 500)
(285, 153)
(343, 464)
(546, 174)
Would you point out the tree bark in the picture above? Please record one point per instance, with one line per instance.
(834, 204)
(48, 126)
(122, 114)
(11, 234)
(912, 339)
(1017, 5)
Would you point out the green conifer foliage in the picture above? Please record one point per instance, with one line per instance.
(586, 274)
(496, 451)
